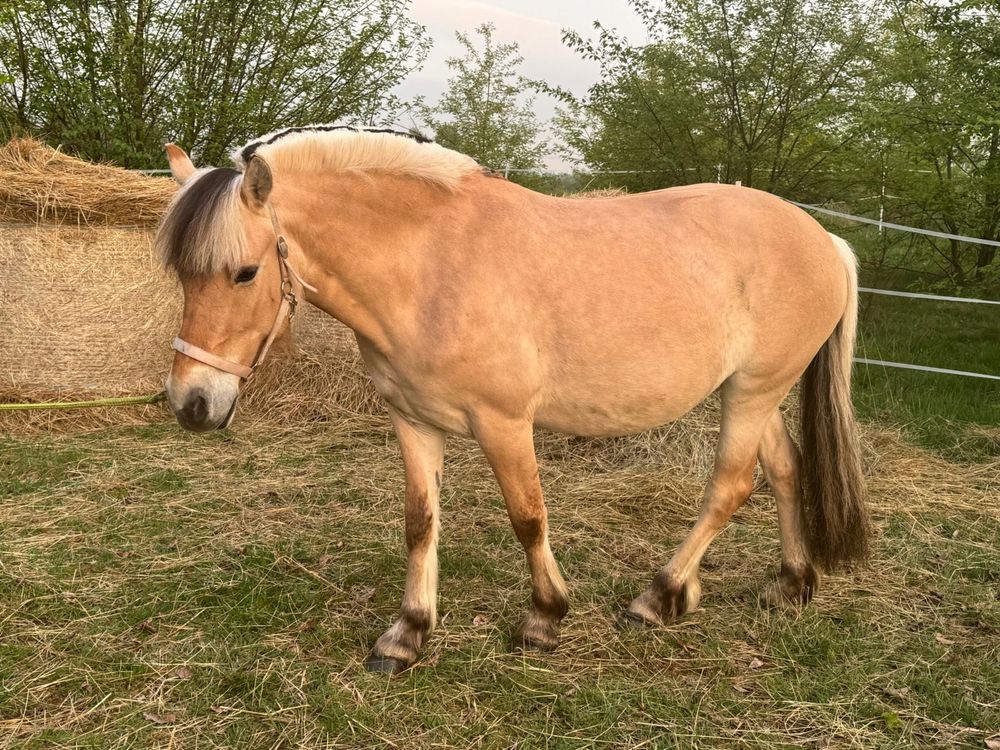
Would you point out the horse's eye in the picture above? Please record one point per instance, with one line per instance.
(246, 275)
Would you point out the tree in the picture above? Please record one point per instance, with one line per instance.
(931, 120)
(110, 79)
(481, 113)
(888, 109)
(748, 90)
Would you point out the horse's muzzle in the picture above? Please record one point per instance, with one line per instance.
(201, 409)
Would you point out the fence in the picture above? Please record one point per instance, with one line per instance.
(913, 295)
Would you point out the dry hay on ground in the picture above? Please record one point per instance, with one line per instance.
(321, 504)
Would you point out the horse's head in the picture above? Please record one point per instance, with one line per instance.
(219, 237)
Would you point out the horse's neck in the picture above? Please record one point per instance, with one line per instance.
(365, 239)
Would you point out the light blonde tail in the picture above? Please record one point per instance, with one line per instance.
(832, 473)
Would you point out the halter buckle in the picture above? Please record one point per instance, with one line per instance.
(288, 293)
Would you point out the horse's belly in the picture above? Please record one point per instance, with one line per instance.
(623, 407)
(595, 420)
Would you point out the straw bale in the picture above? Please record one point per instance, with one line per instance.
(87, 312)
(39, 183)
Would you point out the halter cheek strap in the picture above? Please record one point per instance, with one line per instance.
(286, 309)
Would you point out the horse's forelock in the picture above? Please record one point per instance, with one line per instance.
(201, 231)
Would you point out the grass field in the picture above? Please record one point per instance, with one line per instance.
(165, 590)
(952, 415)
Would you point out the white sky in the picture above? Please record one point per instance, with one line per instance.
(536, 25)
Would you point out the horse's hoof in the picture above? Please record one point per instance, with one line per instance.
(676, 602)
(385, 664)
(537, 640)
(629, 620)
(775, 598)
(792, 589)
(525, 645)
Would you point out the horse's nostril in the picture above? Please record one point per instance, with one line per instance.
(197, 407)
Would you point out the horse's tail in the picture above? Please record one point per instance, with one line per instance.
(834, 484)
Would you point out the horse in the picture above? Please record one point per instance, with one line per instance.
(484, 309)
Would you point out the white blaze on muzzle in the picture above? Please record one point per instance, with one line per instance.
(286, 309)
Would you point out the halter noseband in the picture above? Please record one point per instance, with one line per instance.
(286, 309)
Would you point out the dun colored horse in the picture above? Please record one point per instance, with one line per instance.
(484, 309)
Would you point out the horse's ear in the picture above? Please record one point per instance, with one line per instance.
(180, 165)
(256, 183)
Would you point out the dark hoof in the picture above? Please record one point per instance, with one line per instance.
(534, 639)
(774, 597)
(793, 588)
(532, 645)
(768, 600)
(628, 620)
(675, 600)
(385, 664)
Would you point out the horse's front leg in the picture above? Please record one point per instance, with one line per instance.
(509, 448)
(423, 456)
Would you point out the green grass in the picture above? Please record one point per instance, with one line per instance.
(159, 589)
(956, 416)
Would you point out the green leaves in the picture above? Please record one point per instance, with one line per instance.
(482, 112)
(114, 81)
(746, 90)
(892, 107)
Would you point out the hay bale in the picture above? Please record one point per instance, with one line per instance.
(88, 313)
(85, 313)
(38, 183)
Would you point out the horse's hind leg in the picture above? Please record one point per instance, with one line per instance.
(423, 454)
(780, 460)
(510, 450)
(675, 589)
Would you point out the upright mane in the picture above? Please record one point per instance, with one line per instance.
(201, 233)
(335, 148)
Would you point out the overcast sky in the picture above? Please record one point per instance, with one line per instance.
(536, 25)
